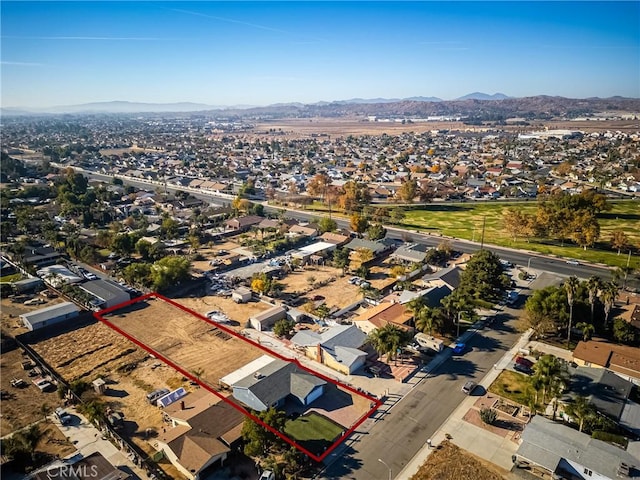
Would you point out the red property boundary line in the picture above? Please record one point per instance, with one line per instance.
(376, 403)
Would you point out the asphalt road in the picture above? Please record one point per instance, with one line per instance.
(402, 432)
(518, 257)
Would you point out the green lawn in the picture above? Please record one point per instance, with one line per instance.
(11, 278)
(511, 385)
(465, 220)
(313, 431)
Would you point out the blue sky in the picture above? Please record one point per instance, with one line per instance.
(219, 53)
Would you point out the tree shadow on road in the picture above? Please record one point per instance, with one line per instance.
(455, 368)
(343, 466)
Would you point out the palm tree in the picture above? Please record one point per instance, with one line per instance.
(608, 295)
(587, 330)
(571, 286)
(388, 339)
(549, 370)
(427, 318)
(594, 285)
(581, 409)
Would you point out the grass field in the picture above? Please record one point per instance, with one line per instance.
(14, 277)
(511, 385)
(465, 220)
(313, 431)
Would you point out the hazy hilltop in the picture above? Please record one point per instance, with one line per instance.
(481, 105)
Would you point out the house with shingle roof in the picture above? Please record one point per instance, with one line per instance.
(204, 430)
(566, 453)
(269, 382)
(620, 359)
(337, 347)
(449, 276)
(383, 314)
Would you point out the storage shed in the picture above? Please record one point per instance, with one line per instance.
(58, 313)
(241, 295)
(266, 319)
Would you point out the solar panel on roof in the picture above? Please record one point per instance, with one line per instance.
(171, 397)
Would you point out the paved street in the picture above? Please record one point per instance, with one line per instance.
(399, 434)
(518, 257)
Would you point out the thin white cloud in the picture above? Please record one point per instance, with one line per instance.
(237, 22)
(230, 20)
(22, 64)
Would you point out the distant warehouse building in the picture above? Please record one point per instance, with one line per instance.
(107, 294)
(58, 313)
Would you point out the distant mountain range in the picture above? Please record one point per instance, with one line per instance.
(476, 105)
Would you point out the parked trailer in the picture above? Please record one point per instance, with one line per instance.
(429, 342)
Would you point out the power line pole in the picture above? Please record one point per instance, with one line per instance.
(484, 222)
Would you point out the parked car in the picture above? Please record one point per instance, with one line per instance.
(469, 387)
(522, 369)
(156, 394)
(525, 362)
(35, 301)
(459, 348)
(63, 417)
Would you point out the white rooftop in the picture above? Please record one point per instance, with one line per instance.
(317, 247)
(249, 369)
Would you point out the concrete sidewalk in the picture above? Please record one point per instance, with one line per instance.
(480, 442)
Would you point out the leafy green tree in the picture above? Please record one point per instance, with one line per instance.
(397, 215)
(169, 228)
(484, 277)
(341, 258)
(169, 272)
(138, 274)
(283, 328)
(326, 224)
(408, 190)
(142, 247)
(94, 410)
(358, 223)
(624, 332)
(546, 309)
(260, 442)
(376, 232)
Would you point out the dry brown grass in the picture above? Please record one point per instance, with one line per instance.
(449, 462)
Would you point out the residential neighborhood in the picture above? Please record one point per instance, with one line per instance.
(218, 300)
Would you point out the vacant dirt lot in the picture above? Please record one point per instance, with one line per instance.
(88, 353)
(449, 462)
(20, 406)
(337, 292)
(186, 340)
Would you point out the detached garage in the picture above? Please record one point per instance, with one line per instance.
(52, 315)
(266, 319)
